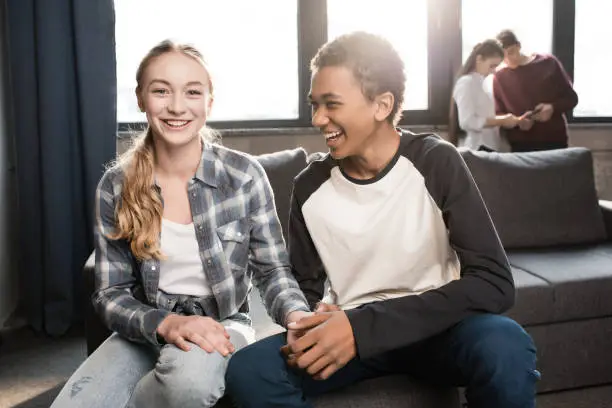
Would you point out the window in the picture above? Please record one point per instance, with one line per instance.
(388, 19)
(254, 61)
(531, 21)
(259, 50)
(592, 58)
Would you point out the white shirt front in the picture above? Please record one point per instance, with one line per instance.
(379, 240)
(181, 272)
(474, 106)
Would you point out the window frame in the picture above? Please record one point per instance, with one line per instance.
(444, 60)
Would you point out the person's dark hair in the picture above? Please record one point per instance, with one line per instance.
(374, 63)
(507, 38)
(486, 49)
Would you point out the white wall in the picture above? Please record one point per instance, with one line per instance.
(8, 270)
(598, 138)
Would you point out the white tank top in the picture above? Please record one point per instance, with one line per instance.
(182, 272)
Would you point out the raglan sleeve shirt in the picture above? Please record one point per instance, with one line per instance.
(485, 284)
(306, 265)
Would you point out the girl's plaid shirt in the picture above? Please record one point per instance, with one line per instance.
(239, 236)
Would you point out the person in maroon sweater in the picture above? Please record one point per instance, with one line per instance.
(536, 88)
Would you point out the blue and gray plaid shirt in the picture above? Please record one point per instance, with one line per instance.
(239, 236)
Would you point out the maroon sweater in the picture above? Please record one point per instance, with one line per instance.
(543, 80)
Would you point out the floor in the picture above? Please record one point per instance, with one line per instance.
(33, 367)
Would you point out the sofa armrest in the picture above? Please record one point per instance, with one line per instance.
(606, 209)
(95, 331)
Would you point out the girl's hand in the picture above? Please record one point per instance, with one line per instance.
(293, 317)
(509, 121)
(207, 333)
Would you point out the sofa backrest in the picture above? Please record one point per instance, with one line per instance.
(536, 199)
(281, 168)
(539, 199)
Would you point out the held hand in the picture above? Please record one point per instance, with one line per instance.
(545, 112)
(509, 121)
(294, 334)
(524, 122)
(326, 307)
(207, 333)
(293, 317)
(327, 346)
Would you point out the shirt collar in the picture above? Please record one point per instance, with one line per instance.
(207, 171)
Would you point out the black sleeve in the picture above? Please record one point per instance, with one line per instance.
(306, 264)
(485, 286)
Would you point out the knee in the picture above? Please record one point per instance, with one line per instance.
(501, 342)
(501, 363)
(191, 379)
(250, 368)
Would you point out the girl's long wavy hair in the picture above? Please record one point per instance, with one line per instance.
(486, 49)
(139, 212)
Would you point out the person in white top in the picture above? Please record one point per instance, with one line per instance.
(184, 228)
(472, 106)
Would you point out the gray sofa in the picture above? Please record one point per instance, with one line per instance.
(558, 241)
(558, 238)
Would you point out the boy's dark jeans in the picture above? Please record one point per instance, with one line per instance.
(491, 355)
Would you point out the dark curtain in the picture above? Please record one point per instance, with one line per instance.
(63, 88)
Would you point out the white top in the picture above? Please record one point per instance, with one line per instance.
(380, 239)
(182, 272)
(474, 105)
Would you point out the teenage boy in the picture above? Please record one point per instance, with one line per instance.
(417, 274)
(536, 88)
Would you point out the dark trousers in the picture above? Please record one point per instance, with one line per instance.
(492, 356)
(536, 146)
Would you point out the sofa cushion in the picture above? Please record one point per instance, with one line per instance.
(397, 391)
(392, 391)
(573, 354)
(539, 199)
(281, 168)
(580, 277)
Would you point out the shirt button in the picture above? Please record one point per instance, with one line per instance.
(153, 268)
(192, 194)
(199, 227)
(239, 234)
(209, 262)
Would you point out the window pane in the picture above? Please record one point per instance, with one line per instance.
(592, 57)
(388, 19)
(253, 61)
(531, 21)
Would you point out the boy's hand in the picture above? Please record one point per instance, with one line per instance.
(524, 122)
(545, 112)
(327, 346)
